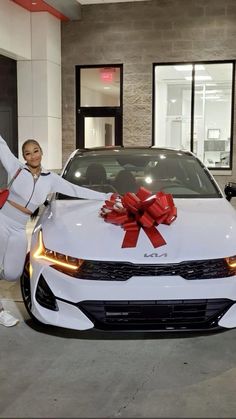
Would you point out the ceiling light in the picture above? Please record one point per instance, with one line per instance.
(210, 97)
(199, 78)
(208, 92)
(189, 67)
(199, 67)
(183, 67)
(213, 91)
(148, 180)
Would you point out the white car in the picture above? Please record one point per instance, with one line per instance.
(79, 276)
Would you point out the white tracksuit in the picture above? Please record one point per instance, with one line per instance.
(30, 194)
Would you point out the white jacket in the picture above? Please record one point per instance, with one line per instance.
(30, 194)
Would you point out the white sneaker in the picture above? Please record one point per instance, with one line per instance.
(6, 319)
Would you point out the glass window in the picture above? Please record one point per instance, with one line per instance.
(193, 108)
(100, 86)
(212, 122)
(172, 106)
(178, 173)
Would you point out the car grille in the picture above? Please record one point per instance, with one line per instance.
(122, 271)
(156, 315)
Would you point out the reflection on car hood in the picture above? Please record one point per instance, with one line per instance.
(204, 229)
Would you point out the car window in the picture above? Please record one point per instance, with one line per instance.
(177, 173)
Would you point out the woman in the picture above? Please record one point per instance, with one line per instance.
(28, 191)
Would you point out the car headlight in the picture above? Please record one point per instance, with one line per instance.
(231, 261)
(67, 262)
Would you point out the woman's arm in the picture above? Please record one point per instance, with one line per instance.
(7, 158)
(67, 188)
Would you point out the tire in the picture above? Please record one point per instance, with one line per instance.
(26, 289)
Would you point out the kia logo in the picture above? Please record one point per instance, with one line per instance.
(155, 255)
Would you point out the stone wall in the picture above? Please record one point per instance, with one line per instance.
(138, 35)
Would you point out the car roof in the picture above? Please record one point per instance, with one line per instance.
(126, 150)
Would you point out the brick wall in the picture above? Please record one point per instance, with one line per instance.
(137, 35)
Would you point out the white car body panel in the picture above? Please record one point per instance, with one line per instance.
(135, 288)
(206, 227)
(205, 230)
(83, 217)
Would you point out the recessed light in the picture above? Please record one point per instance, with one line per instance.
(211, 97)
(148, 180)
(199, 78)
(189, 67)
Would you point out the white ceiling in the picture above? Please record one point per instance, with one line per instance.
(69, 8)
(84, 2)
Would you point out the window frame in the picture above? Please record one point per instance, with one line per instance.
(97, 111)
(194, 63)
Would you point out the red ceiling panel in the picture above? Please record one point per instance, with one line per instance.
(40, 6)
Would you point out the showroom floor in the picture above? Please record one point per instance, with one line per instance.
(51, 372)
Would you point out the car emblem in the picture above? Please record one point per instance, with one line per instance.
(155, 255)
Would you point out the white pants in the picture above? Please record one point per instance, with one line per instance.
(13, 242)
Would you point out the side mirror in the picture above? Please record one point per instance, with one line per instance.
(230, 190)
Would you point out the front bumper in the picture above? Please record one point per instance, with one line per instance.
(140, 303)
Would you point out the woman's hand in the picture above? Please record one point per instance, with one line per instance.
(113, 203)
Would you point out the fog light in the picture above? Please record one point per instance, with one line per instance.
(44, 295)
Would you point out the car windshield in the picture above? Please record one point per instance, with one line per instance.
(178, 173)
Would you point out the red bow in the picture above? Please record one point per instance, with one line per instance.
(141, 210)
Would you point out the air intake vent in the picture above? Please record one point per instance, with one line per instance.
(157, 314)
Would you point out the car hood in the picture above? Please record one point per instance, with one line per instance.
(204, 229)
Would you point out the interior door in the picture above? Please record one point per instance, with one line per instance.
(99, 105)
(99, 132)
(97, 128)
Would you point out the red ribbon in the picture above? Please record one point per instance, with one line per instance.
(140, 210)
